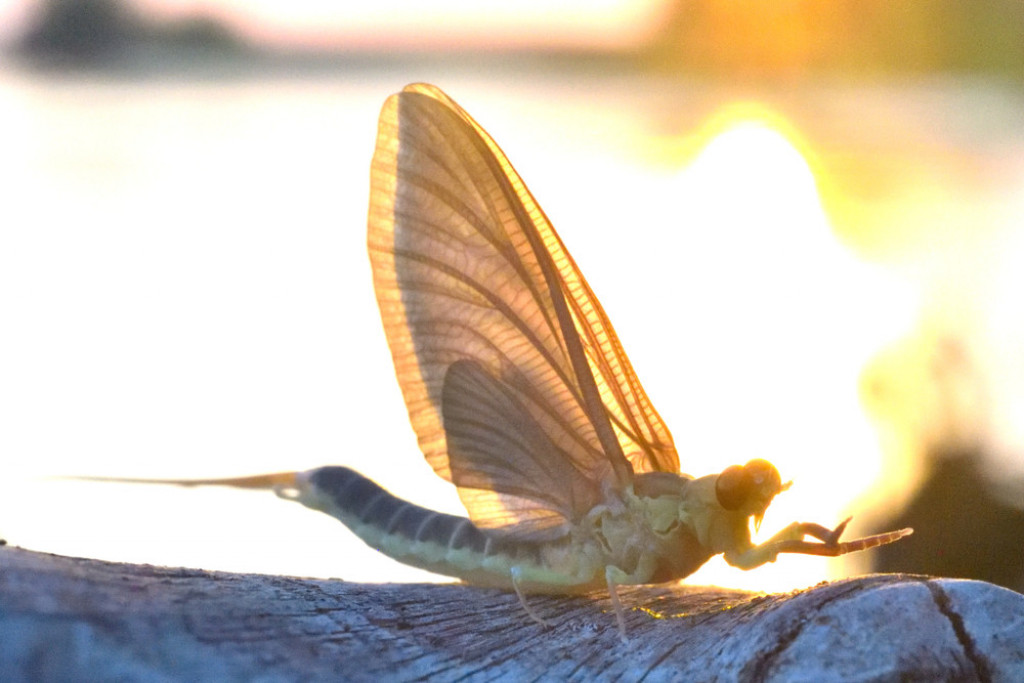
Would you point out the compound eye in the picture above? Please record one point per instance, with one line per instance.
(750, 487)
(733, 487)
(764, 476)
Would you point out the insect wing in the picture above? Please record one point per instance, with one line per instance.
(467, 267)
(643, 436)
(532, 486)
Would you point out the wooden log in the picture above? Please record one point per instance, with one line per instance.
(65, 618)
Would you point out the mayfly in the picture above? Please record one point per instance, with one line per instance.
(521, 395)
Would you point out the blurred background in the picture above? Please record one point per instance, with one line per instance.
(806, 220)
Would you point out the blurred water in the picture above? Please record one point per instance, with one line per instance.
(184, 289)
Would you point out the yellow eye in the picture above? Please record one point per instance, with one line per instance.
(749, 487)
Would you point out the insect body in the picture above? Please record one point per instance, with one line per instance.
(521, 395)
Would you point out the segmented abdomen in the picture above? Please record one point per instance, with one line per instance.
(364, 500)
(435, 541)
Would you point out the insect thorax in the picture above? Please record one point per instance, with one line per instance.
(651, 537)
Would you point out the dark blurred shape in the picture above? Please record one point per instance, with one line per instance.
(966, 524)
(71, 33)
(854, 37)
(961, 528)
(198, 33)
(81, 30)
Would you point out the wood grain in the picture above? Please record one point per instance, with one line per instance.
(65, 618)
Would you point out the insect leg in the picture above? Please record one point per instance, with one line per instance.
(614, 576)
(834, 548)
(516, 574)
(790, 540)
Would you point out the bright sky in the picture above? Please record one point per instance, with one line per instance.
(225, 330)
(421, 23)
(234, 331)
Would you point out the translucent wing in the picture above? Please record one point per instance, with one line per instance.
(467, 267)
(533, 486)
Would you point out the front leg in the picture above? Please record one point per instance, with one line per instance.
(791, 540)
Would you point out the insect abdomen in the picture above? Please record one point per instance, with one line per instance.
(435, 541)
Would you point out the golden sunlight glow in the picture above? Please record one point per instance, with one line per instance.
(789, 320)
(770, 171)
(748, 321)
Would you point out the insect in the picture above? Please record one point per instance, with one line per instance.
(521, 395)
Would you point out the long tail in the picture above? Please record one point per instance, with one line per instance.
(277, 481)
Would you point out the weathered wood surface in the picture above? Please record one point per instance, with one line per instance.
(63, 618)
